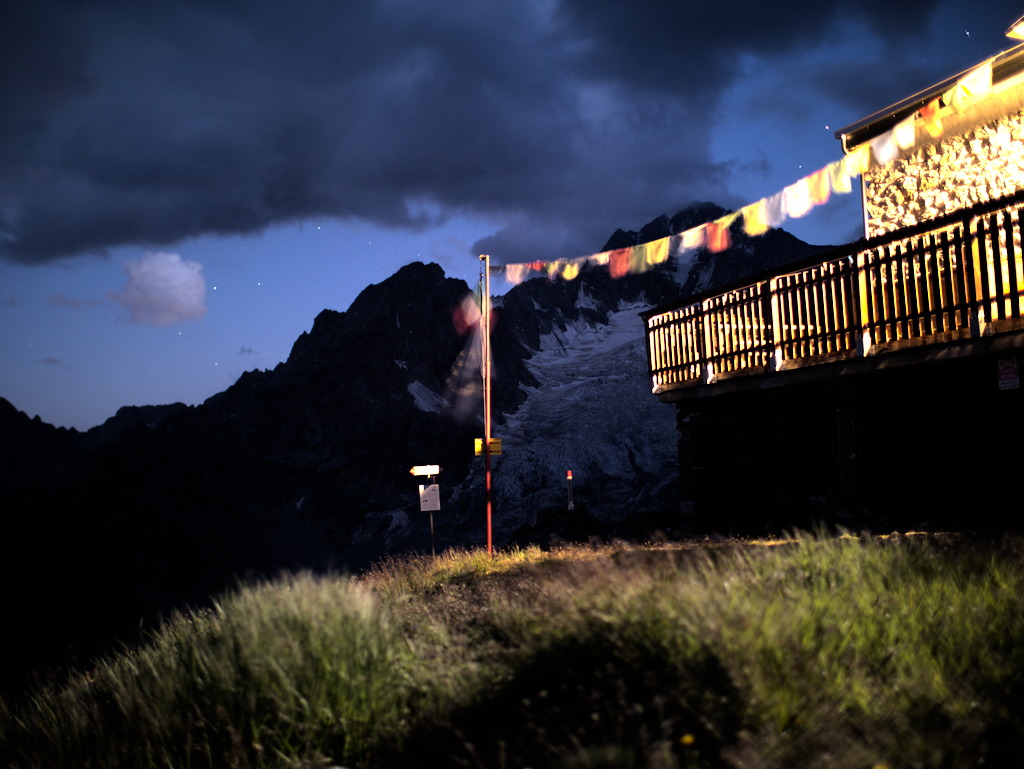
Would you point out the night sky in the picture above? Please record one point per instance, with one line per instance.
(184, 186)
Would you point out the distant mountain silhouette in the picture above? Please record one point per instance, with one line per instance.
(307, 465)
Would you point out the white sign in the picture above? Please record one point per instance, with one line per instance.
(430, 497)
(426, 470)
(1009, 377)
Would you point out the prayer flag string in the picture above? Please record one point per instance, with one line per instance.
(795, 201)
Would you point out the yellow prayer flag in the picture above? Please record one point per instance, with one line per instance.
(656, 251)
(819, 186)
(838, 177)
(969, 88)
(857, 160)
(755, 218)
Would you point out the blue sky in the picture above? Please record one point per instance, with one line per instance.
(183, 190)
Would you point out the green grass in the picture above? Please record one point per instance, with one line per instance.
(811, 651)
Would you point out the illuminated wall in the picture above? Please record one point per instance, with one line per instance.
(980, 157)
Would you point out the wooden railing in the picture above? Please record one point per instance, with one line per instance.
(958, 277)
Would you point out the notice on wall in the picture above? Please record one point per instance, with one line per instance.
(1009, 376)
(430, 497)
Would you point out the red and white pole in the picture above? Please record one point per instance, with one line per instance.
(485, 368)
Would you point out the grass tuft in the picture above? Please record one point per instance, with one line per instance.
(803, 651)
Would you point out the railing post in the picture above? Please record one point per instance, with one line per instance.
(972, 275)
(864, 341)
(707, 345)
(772, 311)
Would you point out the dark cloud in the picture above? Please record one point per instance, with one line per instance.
(135, 123)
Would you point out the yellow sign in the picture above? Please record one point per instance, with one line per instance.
(478, 446)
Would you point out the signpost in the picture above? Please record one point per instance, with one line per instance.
(430, 496)
(1009, 376)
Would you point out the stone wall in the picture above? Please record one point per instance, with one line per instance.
(969, 164)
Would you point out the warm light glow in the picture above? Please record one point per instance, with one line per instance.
(904, 291)
(1016, 30)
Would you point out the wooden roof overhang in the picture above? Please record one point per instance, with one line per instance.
(1005, 65)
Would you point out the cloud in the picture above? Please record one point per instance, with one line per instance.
(51, 361)
(163, 289)
(145, 124)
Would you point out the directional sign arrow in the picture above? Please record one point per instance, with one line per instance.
(425, 470)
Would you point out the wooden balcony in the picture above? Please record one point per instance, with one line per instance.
(953, 287)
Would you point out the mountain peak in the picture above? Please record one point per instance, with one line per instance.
(662, 226)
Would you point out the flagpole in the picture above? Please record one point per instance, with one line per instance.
(485, 369)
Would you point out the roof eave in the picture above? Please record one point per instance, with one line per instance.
(1004, 64)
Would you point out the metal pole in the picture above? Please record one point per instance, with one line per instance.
(433, 552)
(485, 367)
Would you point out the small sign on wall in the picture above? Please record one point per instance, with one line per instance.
(430, 497)
(1009, 376)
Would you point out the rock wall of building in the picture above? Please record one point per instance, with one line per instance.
(965, 167)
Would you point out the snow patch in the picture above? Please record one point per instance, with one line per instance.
(425, 398)
(399, 521)
(585, 301)
(582, 338)
(592, 412)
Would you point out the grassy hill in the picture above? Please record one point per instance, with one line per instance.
(901, 651)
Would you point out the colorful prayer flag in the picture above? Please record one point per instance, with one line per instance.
(755, 218)
(970, 88)
(695, 237)
(775, 208)
(516, 273)
(796, 199)
(718, 237)
(931, 120)
(904, 133)
(820, 187)
(857, 161)
(839, 178)
(618, 262)
(656, 251)
(884, 148)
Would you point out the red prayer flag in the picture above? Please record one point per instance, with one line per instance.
(718, 237)
(618, 262)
